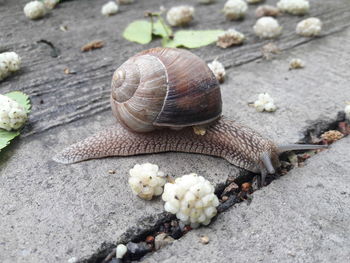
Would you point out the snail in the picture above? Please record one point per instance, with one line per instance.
(160, 97)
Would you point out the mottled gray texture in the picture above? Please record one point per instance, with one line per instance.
(302, 217)
(51, 212)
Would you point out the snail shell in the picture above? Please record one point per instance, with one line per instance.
(165, 87)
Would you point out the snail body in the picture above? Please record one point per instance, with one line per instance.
(158, 96)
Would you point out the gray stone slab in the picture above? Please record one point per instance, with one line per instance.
(59, 98)
(302, 217)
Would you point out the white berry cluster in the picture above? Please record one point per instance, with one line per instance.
(229, 38)
(192, 199)
(267, 27)
(294, 7)
(109, 8)
(264, 103)
(180, 15)
(309, 27)
(121, 251)
(12, 114)
(296, 63)
(146, 180)
(9, 62)
(218, 69)
(347, 111)
(235, 9)
(34, 10)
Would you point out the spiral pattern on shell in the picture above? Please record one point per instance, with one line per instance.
(165, 87)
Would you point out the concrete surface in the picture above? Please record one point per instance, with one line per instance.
(51, 212)
(302, 217)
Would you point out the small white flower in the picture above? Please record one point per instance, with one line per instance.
(34, 9)
(267, 27)
(9, 62)
(218, 69)
(265, 103)
(294, 7)
(146, 180)
(347, 111)
(12, 115)
(180, 15)
(192, 199)
(235, 9)
(229, 38)
(296, 63)
(254, 1)
(121, 251)
(109, 8)
(309, 27)
(50, 4)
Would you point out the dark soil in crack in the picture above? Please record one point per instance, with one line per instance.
(155, 232)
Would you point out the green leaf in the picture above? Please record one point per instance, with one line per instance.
(192, 38)
(6, 137)
(161, 29)
(21, 98)
(139, 31)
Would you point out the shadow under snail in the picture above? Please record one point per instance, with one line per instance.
(160, 96)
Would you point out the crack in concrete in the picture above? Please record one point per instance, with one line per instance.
(152, 224)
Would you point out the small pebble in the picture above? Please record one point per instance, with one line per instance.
(204, 240)
(111, 171)
(121, 251)
(224, 198)
(162, 240)
(246, 186)
(150, 239)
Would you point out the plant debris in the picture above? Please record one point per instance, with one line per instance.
(332, 136)
(92, 45)
(55, 52)
(269, 50)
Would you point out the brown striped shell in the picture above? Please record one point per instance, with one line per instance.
(165, 87)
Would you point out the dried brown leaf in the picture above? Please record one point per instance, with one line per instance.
(92, 45)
